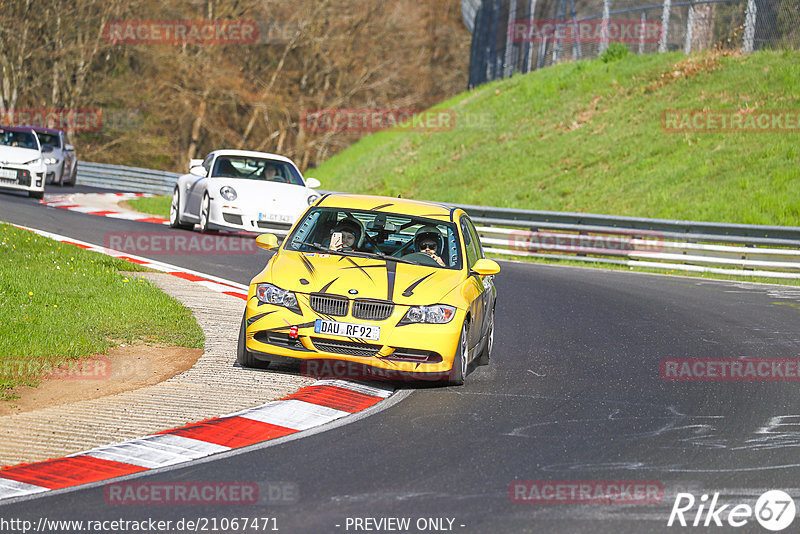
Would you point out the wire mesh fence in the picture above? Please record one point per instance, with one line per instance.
(510, 36)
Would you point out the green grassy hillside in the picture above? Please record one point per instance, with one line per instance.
(588, 137)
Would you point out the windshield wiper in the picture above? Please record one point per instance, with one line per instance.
(386, 257)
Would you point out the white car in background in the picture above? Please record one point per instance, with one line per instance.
(241, 190)
(22, 165)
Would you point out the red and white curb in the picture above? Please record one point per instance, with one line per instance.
(75, 202)
(214, 283)
(320, 403)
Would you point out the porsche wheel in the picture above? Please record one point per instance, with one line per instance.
(39, 195)
(244, 356)
(483, 359)
(461, 360)
(175, 212)
(205, 211)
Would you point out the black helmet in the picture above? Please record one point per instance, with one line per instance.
(429, 232)
(349, 225)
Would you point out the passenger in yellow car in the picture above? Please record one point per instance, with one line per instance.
(351, 234)
(428, 240)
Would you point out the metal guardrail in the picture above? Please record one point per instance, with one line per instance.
(731, 249)
(119, 177)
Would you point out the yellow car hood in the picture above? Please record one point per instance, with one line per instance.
(402, 283)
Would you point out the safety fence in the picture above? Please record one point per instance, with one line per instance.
(511, 36)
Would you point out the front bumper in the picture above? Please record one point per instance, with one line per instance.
(27, 178)
(227, 217)
(413, 351)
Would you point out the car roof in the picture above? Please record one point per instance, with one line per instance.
(251, 154)
(43, 129)
(26, 129)
(417, 208)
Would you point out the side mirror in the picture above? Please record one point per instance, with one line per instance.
(267, 241)
(313, 183)
(69, 148)
(195, 163)
(486, 267)
(198, 171)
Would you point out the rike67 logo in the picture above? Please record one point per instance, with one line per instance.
(774, 510)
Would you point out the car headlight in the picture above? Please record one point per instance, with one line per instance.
(270, 294)
(312, 199)
(50, 161)
(437, 314)
(37, 161)
(228, 193)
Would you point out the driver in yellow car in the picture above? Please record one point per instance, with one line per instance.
(428, 240)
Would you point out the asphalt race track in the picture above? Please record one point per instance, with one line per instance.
(573, 392)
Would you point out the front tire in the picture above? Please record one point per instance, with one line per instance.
(244, 356)
(205, 214)
(461, 361)
(38, 195)
(175, 212)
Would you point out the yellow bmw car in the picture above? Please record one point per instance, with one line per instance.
(373, 287)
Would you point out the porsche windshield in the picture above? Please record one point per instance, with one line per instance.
(49, 139)
(385, 235)
(265, 170)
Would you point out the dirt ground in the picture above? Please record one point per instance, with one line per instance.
(126, 367)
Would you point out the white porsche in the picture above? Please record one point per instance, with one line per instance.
(241, 190)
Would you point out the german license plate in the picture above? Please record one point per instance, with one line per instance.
(274, 217)
(9, 174)
(336, 328)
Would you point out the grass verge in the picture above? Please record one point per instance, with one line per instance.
(587, 137)
(158, 206)
(60, 303)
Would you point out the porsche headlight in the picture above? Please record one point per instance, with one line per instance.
(228, 193)
(50, 161)
(37, 161)
(270, 294)
(438, 314)
(313, 198)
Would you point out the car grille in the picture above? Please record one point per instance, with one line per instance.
(372, 310)
(23, 178)
(351, 348)
(327, 305)
(231, 218)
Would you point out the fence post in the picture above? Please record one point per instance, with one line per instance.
(542, 51)
(687, 45)
(512, 13)
(531, 19)
(662, 41)
(644, 31)
(606, 16)
(749, 26)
